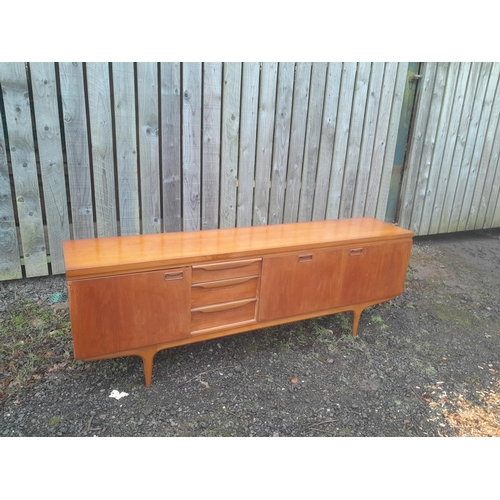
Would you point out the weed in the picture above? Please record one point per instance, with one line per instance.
(32, 339)
(379, 321)
(54, 420)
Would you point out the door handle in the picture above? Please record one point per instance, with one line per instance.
(179, 275)
(355, 251)
(305, 258)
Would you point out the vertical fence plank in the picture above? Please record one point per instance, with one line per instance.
(229, 143)
(191, 145)
(313, 135)
(385, 141)
(248, 140)
(332, 94)
(212, 99)
(281, 141)
(171, 145)
(126, 147)
(470, 141)
(493, 212)
(492, 184)
(297, 141)
(368, 140)
(424, 163)
(267, 111)
(451, 139)
(77, 153)
(487, 163)
(22, 153)
(101, 136)
(43, 81)
(458, 151)
(355, 137)
(417, 144)
(476, 173)
(430, 191)
(149, 159)
(10, 264)
(341, 140)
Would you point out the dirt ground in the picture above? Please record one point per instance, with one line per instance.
(424, 364)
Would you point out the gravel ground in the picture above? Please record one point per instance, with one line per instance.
(417, 363)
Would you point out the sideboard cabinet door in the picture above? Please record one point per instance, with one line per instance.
(118, 313)
(300, 283)
(373, 272)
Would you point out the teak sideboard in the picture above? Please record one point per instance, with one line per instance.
(137, 295)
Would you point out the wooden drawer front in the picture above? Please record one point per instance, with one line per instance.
(226, 270)
(222, 315)
(214, 292)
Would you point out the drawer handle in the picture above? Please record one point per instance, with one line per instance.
(305, 258)
(223, 307)
(174, 276)
(356, 251)
(217, 284)
(227, 265)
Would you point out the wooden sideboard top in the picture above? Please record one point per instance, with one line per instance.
(110, 256)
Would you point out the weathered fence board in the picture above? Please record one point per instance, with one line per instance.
(382, 160)
(22, 153)
(453, 151)
(101, 135)
(428, 132)
(149, 145)
(438, 146)
(341, 140)
(355, 137)
(471, 139)
(267, 111)
(332, 93)
(44, 85)
(313, 134)
(171, 135)
(77, 149)
(191, 146)
(281, 142)
(230, 143)
(468, 209)
(212, 102)
(10, 264)
(248, 140)
(457, 92)
(486, 170)
(367, 143)
(297, 141)
(125, 148)
(486, 215)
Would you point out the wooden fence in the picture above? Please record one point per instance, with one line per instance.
(104, 149)
(452, 176)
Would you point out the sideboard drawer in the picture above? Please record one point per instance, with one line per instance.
(226, 270)
(222, 315)
(214, 292)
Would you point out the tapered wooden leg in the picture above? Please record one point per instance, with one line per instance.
(147, 356)
(355, 320)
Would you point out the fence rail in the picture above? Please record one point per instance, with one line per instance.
(104, 149)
